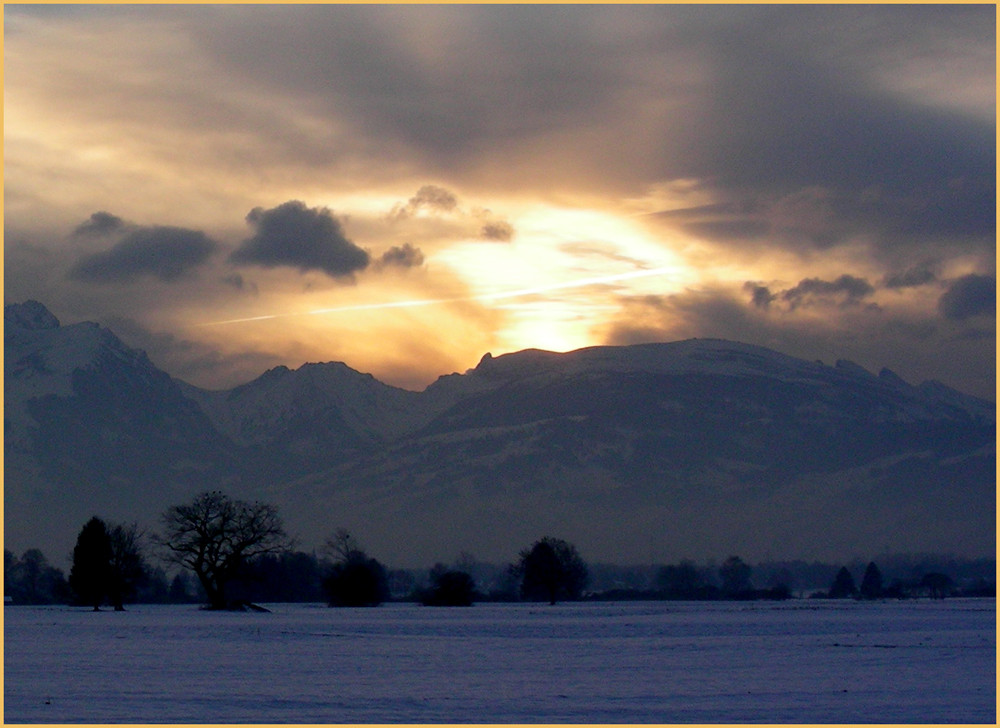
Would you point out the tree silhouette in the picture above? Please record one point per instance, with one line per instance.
(127, 566)
(215, 536)
(90, 575)
(735, 575)
(449, 588)
(871, 582)
(936, 584)
(551, 569)
(355, 580)
(843, 585)
(680, 581)
(32, 580)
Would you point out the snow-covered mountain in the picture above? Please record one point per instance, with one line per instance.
(93, 427)
(696, 448)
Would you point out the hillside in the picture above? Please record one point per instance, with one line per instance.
(697, 448)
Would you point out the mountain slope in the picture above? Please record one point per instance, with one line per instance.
(680, 449)
(91, 426)
(697, 449)
(288, 423)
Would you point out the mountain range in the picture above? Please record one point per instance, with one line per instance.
(691, 449)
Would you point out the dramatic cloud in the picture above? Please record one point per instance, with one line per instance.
(404, 256)
(760, 296)
(969, 296)
(429, 197)
(100, 223)
(845, 290)
(697, 146)
(912, 344)
(918, 275)
(166, 253)
(500, 231)
(849, 290)
(298, 236)
(783, 119)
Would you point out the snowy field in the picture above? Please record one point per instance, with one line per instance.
(663, 662)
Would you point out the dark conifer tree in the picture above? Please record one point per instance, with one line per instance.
(843, 585)
(871, 582)
(90, 575)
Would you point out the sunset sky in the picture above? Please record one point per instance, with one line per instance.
(405, 188)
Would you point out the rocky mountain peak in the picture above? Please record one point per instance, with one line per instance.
(30, 315)
(707, 436)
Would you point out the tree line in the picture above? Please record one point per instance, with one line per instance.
(235, 554)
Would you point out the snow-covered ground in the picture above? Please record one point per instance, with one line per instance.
(663, 662)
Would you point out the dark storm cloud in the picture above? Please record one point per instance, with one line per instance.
(442, 81)
(846, 290)
(162, 252)
(401, 256)
(968, 296)
(235, 280)
(428, 197)
(499, 231)
(759, 103)
(918, 275)
(783, 115)
(100, 223)
(297, 236)
(433, 197)
(760, 296)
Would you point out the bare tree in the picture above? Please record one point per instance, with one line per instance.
(128, 567)
(343, 546)
(215, 536)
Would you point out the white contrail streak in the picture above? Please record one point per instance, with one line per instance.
(578, 283)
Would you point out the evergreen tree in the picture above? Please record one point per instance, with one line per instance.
(843, 585)
(90, 575)
(871, 582)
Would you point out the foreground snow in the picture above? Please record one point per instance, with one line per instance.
(801, 662)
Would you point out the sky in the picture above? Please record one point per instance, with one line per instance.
(404, 188)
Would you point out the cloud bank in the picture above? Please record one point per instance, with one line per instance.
(162, 252)
(811, 176)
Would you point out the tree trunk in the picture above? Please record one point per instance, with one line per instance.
(214, 591)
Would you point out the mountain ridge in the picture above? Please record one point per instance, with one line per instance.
(605, 445)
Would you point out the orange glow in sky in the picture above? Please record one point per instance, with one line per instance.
(404, 197)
